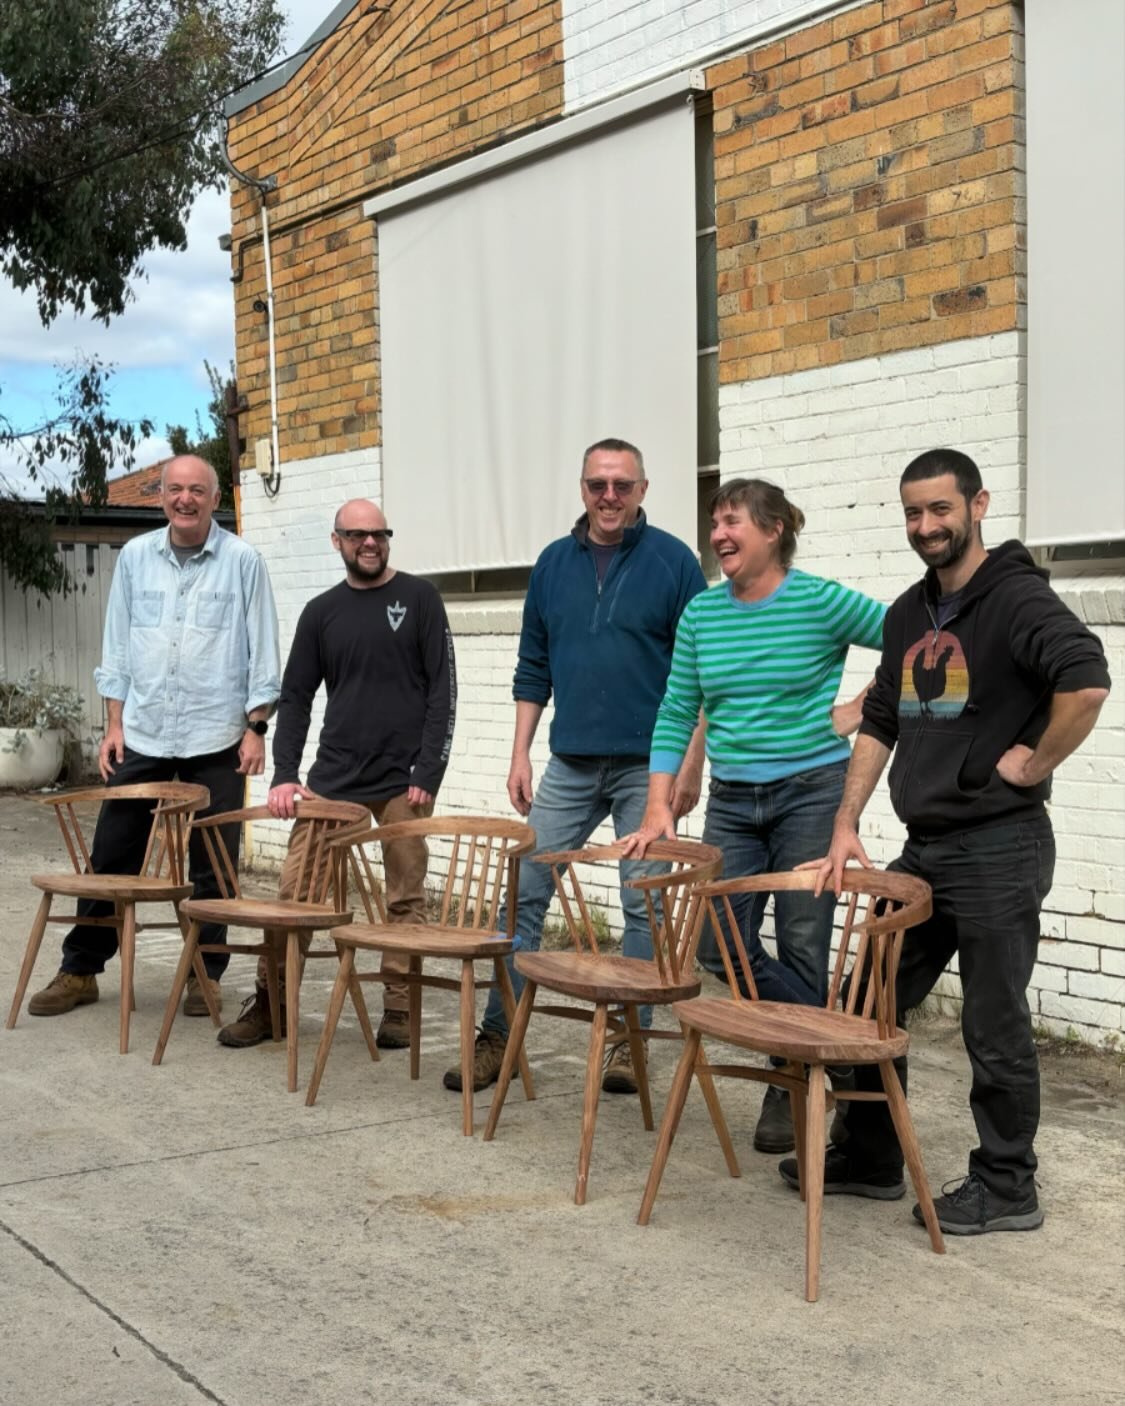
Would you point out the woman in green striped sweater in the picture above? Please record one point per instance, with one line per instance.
(762, 654)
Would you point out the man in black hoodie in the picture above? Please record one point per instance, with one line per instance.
(987, 683)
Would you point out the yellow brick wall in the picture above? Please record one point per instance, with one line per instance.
(387, 97)
(869, 185)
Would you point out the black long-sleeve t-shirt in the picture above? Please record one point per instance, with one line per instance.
(385, 656)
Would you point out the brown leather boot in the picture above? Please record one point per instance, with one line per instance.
(64, 991)
(253, 1024)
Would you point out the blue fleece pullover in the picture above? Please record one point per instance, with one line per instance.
(604, 651)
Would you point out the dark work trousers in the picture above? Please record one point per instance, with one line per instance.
(119, 848)
(989, 885)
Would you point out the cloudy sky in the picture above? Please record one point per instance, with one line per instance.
(183, 314)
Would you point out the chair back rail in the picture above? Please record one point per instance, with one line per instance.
(481, 865)
(673, 908)
(176, 804)
(863, 974)
(322, 872)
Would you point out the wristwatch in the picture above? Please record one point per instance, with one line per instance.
(259, 725)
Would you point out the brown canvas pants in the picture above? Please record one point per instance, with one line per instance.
(404, 869)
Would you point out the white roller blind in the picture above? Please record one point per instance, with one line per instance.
(523, 316)
(1076, 271)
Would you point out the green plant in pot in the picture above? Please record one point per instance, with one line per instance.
(37, 719)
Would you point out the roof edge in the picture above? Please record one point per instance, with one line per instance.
(262, 87)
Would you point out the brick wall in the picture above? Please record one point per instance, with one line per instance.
(387, 96)
(868, 186)
(614, 44)
(837, 438)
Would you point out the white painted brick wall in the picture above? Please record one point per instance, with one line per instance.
(836, 440)
(610, 45)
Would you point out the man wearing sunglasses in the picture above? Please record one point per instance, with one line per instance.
(380, 643)
(599, 623)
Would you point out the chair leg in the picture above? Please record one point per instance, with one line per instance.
(911, 1150)
(414, 1017)
(814, 1179)
(799, 1104)
(292, 1005)
(508, 1001)
(179, 981)
(640, 1064)
(594, 1062)
(200, 972)
(468, 1035)
(127, 953)
(274, 993)
(714, 1107)
(31, 952)
(677, 1097)
(335, 1006)
(355, 987)
(516, 1033)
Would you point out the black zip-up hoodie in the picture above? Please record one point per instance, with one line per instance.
(952, 701)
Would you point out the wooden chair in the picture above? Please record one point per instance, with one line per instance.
(616, 986)
(161, 880)
(318, 902)
(862, 1031)
(481, 862)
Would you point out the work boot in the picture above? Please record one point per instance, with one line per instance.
(64, 991)
(488, 1056)
(842, 1177)
(774, 1132)
(253, 1024)
(194, 1002)
(394, 1031)
(620, 1077)
(971, 1208)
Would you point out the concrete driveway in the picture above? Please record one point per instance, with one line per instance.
(192, 1233)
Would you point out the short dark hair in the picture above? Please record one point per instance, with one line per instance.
(615, 446)
(767, 506)
(935, 462)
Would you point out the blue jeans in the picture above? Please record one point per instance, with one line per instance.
(763, 827)
(988, 888)
(572, 799)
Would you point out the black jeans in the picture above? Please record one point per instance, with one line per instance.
(989, 885)
(119, 848)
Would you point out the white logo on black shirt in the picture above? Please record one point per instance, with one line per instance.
(396, 614)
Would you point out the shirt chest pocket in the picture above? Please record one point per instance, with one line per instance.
(147, 609)
(213, 609)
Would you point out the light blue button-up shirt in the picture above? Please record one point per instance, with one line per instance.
(190, 649)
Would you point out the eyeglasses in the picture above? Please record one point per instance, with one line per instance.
(622, 487)
(361, 534)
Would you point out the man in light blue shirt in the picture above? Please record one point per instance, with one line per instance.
(190, 673)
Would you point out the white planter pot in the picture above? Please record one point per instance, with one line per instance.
(36, 762)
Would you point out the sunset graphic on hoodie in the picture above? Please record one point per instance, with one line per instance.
(935, 678)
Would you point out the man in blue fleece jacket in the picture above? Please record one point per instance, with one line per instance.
(599, 623)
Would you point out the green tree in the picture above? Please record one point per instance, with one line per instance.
(110, 125)
(212, 440)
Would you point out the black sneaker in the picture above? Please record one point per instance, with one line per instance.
(774, 1132)
(971, 1208)
(841, 1178)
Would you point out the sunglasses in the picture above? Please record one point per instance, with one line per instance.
(361, 534)
(622, 487)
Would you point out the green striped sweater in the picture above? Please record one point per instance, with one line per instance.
(766, 674)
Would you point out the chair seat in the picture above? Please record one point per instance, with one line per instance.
(600, 978)
(425, 940)
(807, 1033)
(285, 914)
(129, 888)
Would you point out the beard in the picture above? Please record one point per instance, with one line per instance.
(946, 551)
(368, 569)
